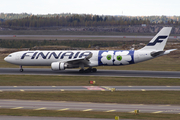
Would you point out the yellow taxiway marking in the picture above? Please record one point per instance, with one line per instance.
(15, 86)
(129, 86)
(110, 111)
(53, 86)
(63, 109)
(108, 88)
(62, 89)
(40, 109)
(22, 90)
(87, 110)
(168, 86)
(143, 90)
(16, 108)
(61, 101)
(0, 90)
(167, 105)
(158, 112)
(164, 105)
(136, 104)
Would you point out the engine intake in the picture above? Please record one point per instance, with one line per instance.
(58, 66)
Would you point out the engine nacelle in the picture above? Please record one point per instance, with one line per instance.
(58, 66)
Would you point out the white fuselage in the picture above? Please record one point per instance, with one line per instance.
(99, 57)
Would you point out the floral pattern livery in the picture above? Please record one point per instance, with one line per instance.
(122, 58)
(116, 57)
(107, 58)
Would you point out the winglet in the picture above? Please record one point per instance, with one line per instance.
(89, 56)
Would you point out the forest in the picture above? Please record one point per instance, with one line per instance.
(69, 43)
(76, 20)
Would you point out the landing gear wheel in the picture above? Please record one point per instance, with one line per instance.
(81, 70)
(21, 69)
(87, 70)
(94, 70)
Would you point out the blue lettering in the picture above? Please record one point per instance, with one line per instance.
(25, 54)
(84, 54)
(54, 54)
(60, 55)
(70, 54)
(34, 55)
(76, 55)
(42, 55)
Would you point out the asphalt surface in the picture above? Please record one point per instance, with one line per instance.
(89, 88)
(75, 72)
(86, 106)
(45, 118)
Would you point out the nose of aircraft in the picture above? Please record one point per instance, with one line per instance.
(5, 59)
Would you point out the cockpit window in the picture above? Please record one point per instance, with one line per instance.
(9, 55)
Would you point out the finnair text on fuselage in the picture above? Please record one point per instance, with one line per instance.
(55, 55)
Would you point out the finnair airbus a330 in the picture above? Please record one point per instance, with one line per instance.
(60, 60)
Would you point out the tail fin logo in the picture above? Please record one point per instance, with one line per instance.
(158, 40)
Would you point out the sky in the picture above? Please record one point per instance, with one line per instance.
(95, 7)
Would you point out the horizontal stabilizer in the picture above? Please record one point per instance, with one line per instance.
(160, 53)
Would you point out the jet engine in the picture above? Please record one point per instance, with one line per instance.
(58, 66)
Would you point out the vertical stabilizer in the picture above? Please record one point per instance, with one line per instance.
(159, 41)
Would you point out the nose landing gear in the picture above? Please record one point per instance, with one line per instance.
(21, 69)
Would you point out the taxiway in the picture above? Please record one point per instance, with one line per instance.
(75, 72)
(46, 118)
(86, 106)
(89, 88)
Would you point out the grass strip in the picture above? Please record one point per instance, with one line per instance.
(38, 80)
(89, 114)
(128, 97)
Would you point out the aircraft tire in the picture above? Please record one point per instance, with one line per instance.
(94, 70)
(21, 70)
(87, 70)
(81, 70)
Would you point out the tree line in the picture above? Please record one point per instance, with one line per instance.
(76, 20)
(71, 43)
(73, 21)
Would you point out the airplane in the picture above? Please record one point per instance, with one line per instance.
(64, 59)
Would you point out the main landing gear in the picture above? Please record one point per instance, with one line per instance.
(21, 69)
(88, 70)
